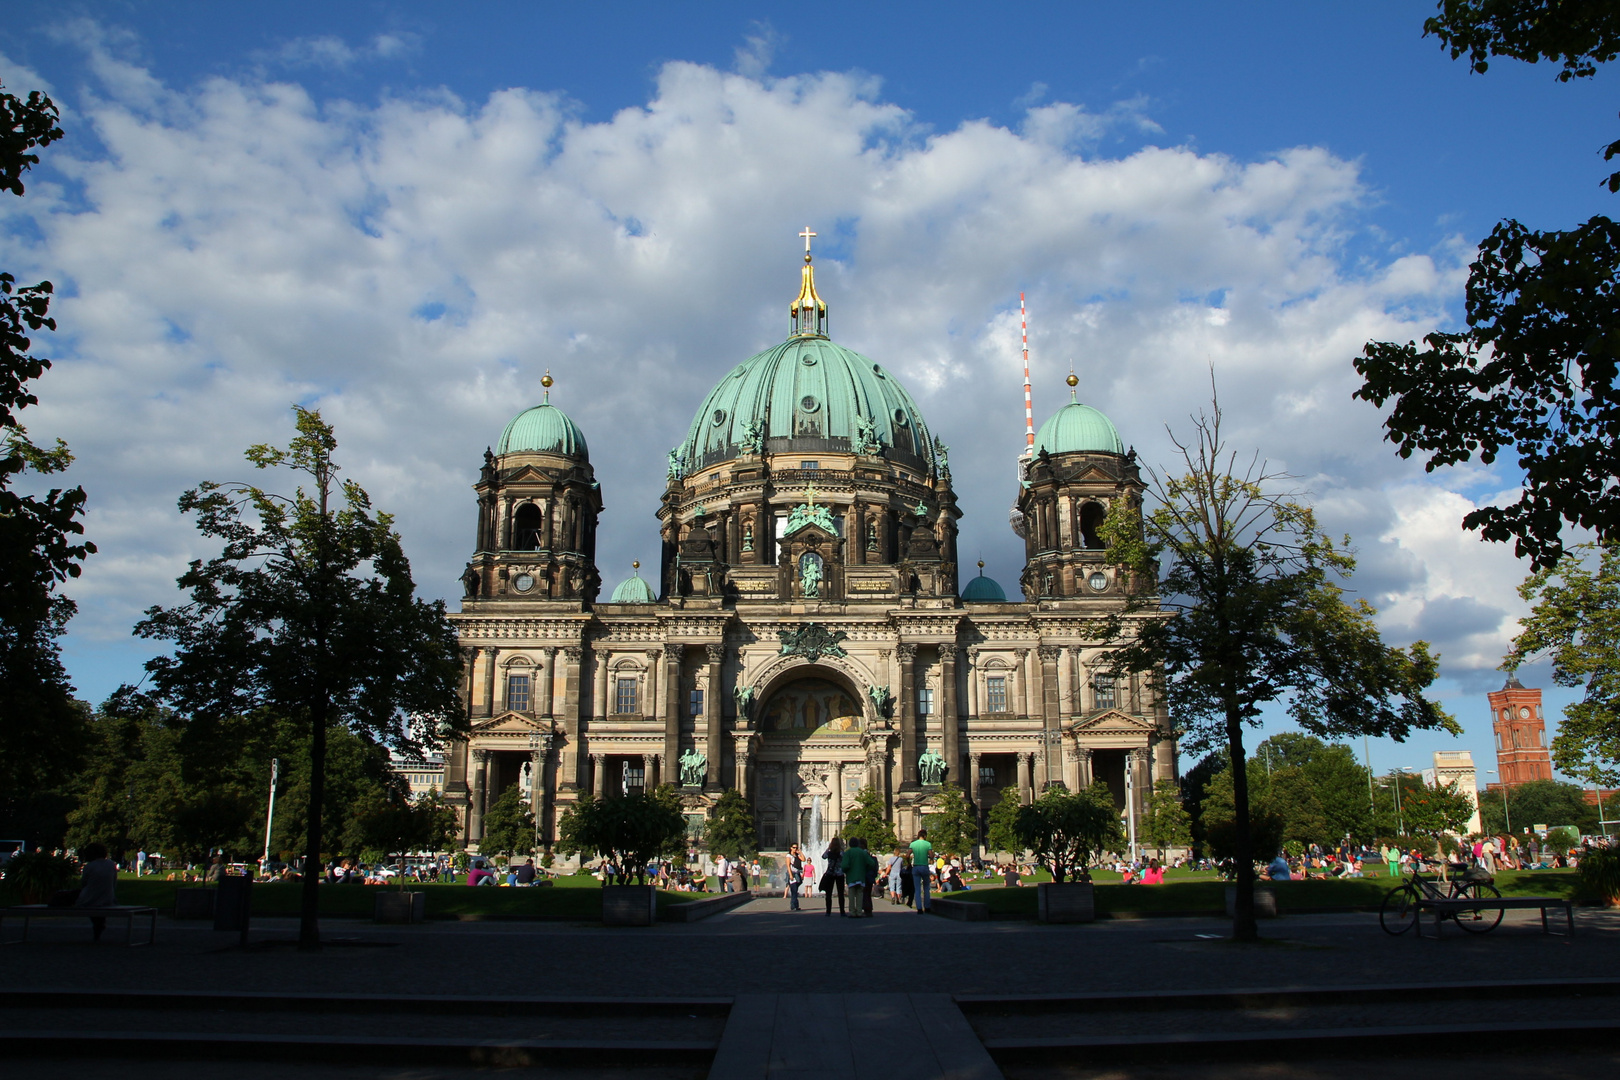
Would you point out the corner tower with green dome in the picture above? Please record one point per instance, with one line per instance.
(1074, 472)
(809, 473)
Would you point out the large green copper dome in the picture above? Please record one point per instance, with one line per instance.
(633, 590)
(1078, 428)
(544, 429)
(807, 395)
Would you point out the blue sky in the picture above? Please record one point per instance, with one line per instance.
(402, 211)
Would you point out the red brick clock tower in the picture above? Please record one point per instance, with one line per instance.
(1521, 734)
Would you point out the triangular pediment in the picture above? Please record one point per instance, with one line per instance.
(509, 723)
(1112, 722)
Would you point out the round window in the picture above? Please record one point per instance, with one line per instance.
(878, 372)
(808, 359)
(900, 418)
(523, 582)
(1098, 580)
(809, 404)
(719, 417)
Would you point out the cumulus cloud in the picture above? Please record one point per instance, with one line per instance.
(412, 267)
(328, 51)
(753, 57)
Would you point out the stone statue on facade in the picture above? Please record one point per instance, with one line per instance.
(745, 701)
(694, 766)
(753, 437)
(881, 699)
(677, 464)
(810, 574)
(931, 769)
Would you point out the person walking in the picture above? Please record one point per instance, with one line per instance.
(833, 876)
(897, 861)
(795, 876)
(922, 853)
(861, 870)
(722, 871)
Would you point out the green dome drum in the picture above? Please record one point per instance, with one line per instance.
(1078, 428)
(544, 429)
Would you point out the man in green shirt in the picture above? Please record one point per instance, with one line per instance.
(860, 870)
(922, 871)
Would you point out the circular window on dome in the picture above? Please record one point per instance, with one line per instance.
(1098, 580)
(878, 372)
(808, 359)
(809, 404)
(718, 416)
(742, 369)
(901, 418)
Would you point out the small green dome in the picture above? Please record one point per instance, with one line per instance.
(544, 429)
(632, 590)
(984, 590)
(1078, 428)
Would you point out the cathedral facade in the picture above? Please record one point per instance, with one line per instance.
(808, 632)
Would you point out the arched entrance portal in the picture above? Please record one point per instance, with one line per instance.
(811, 760)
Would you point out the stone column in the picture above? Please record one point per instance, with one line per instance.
(1019, 705)
(974, 707)
(1024, 790)
(1066, 683)
(599, 775)
(908, 716)
(733, 537)
(569, 764)
(855, 539)
(742, 745)
(762, 534)
(1051, 734)
(546, 679)
(599, 680)
(973, 780)
(503, 523)
(489, 681)
(714, 746)
(475, 825)
(950, 723)
(647, 771)
(875, 778)
(835, 786)
(670, 698)
(1083, 757)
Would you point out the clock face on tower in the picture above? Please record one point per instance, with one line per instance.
(1524, 712)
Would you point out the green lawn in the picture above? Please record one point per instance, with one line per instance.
(1204, 893)
(573, 897)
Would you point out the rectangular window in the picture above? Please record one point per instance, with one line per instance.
(624, 700)
(996, 691)
(987, 776)
(925, 701)
(1102, 692)
(635, 777)
(517, 693)
(694, 704)
(809, 464)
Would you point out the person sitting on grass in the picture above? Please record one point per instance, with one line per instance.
(1154, 874)
(1279, 870)
(1009, 875)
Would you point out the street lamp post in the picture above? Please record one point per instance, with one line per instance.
(1400, 821)
(1507, 817)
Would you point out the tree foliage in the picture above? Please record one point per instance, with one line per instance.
(1575, 619)
(508, 826)
(1066, 830)
(1256, 615)
(309, 613)
(730, 830)
(41, 727)
(1540, 802)
(1001, 825)
(1535, 370)
(631, 830)
(952, 827)
(1339, 784)
(1165, 821)
(867, 820)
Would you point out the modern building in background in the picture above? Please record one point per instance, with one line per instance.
(1457, 767)
(423, 774)
(807, 633)
(1521, 734)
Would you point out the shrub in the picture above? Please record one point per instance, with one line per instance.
(1066, 829)
(1600, 872)
(33, 875)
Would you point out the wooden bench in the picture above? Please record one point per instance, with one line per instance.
(127, 912)
(1442, 907)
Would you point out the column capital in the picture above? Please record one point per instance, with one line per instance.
(481, 756)
(973, 756)
(573, 653)
(715, 653)
(1022, 654)
(1050, 653)
(674, 653)
(490, 650)
(1025, 757)
(597, 757)
(947, 654)
(907, 652)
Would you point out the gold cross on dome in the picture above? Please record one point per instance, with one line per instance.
(810, 496)
(807, 234)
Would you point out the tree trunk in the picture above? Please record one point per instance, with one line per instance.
(309, 928)
(1244, 927)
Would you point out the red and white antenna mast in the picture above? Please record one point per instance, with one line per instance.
(1029, 405)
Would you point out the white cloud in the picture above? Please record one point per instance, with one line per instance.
(413, 266)
(328, 51)
(754, 55)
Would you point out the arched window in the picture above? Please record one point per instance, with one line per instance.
(526, 528)
(1091, 519)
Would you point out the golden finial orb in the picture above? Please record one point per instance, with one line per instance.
(1072, 380)
(981, 564)
(545, 380)
(636, 565)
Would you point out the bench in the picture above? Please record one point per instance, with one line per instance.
(1443, 907)
(127, 912)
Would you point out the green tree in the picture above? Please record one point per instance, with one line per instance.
(396, 825)
(1001, 826)
(1437, 808)
(41, 726)
(508, 827)
(1575, 619)
(1534, 372)
(1341, 785)
(1165, 822)
(952, 827)
(1539, 802)
(632, 829)
(1218, 812)
(866, 819)
(730, 830)
(308, 613)
(1067, 829)
(1257, 615)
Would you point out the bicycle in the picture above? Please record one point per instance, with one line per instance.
(1399, 911)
